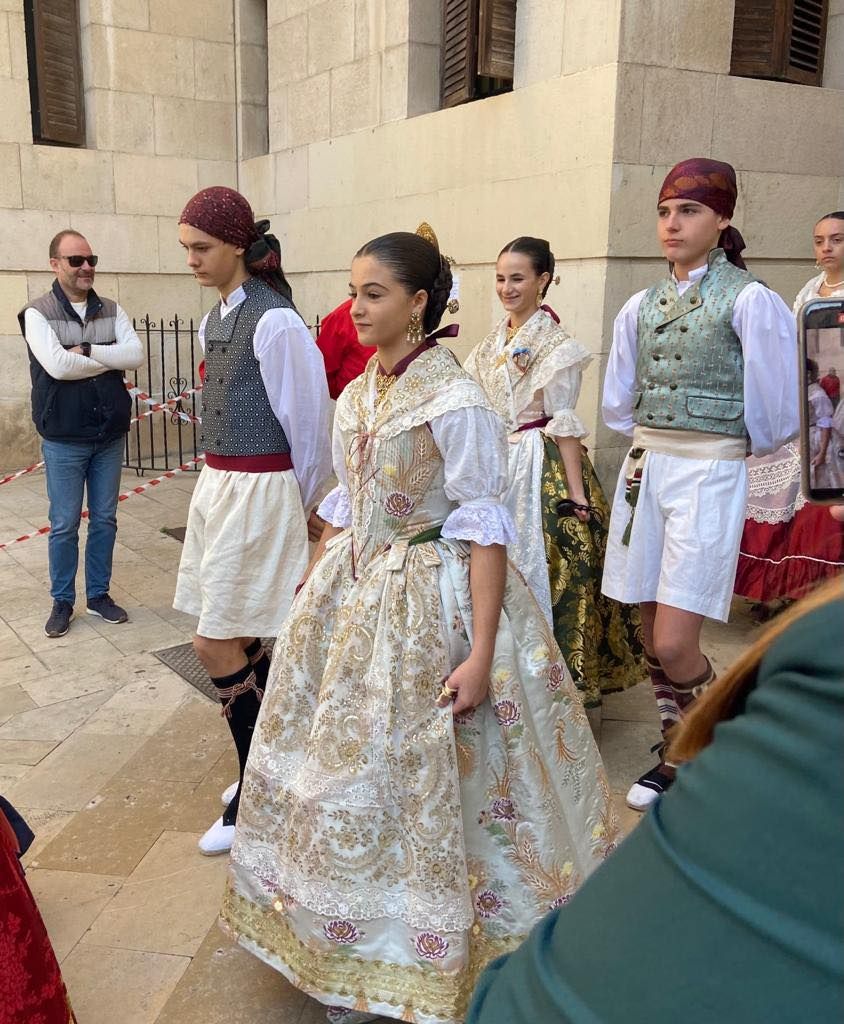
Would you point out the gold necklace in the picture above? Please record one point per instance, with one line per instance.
(383, 383)
(511, 333)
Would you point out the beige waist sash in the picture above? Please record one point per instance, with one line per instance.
(689, 444)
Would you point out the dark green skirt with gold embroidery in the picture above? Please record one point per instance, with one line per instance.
(601, 639)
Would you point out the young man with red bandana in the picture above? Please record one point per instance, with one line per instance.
(703, 369)
(265, 433)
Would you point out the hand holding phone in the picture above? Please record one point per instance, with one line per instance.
(821, 354)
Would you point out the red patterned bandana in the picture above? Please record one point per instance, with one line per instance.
(712, 183)
(225, 214)
(222, 213)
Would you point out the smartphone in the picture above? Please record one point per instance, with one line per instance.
(821, 353)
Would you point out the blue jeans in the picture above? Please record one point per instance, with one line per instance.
(71, 468)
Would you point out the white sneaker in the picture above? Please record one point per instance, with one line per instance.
(218, 839)
(228, 793)
(639, 798)
(650, 787)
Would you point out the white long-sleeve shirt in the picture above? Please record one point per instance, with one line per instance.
(765, 328)
(126, 353)
(293, 373)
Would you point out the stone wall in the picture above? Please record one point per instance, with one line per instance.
(349, 161)
(169, 91)
(325, 113)
(606, 97)
(833, 71)
(677, 99)
(338, 66)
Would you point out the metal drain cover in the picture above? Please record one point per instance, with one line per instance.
(184, 662)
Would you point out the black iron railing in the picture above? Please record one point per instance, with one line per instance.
(168, 439)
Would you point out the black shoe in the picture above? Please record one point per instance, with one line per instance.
(59, 622)
(106, 609)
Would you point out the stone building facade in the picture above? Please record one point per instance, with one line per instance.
(326, 114)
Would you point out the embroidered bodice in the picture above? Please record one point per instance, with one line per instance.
(430, 452)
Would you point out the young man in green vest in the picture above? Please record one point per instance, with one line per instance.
(703, 369)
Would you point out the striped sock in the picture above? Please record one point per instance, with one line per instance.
(666, 704)
(685, 694)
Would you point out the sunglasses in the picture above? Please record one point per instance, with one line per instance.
(77, 261)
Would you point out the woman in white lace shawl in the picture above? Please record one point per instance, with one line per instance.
(531, 371)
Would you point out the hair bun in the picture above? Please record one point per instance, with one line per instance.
(438, 296)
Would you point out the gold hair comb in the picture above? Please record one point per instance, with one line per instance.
(427, 232)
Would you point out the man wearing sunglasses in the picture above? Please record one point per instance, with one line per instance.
(80, 345)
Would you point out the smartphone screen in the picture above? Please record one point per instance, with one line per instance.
(821, 337)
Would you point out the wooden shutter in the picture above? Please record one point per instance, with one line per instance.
(459, 52)
(780, 39)
(497, 38)
(806, 41)
(58, 113)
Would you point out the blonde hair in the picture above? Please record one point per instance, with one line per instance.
(722, 700)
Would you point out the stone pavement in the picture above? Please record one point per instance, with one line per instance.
(118, 765)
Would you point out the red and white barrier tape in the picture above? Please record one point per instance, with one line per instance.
(142, 396)
(21, 472)
(186, 417)
(121, 497)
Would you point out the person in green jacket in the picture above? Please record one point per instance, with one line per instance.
(726, 904)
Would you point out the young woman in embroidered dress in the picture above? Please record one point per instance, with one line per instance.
(788, 545)
(422, 784)
(531, 370)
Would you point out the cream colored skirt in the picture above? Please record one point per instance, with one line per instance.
(245, 550)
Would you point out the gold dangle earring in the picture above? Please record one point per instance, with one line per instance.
(415, 334)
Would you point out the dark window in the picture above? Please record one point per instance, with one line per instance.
(780, 39)
(479, 38)
(55, 71)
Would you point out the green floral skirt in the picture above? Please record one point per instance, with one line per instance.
(601, 639)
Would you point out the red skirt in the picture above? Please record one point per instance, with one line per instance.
(31, 986)
(788, 546)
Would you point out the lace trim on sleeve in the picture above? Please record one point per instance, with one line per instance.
(565, 423)
(485, 521)
(336, 507)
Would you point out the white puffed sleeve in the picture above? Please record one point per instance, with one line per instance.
(766, 329)
(473, 445)
(620, 378)
(560, 396)
(336, 507)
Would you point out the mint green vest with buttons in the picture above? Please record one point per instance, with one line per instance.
(689, 364)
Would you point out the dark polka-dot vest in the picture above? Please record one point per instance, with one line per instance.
(237, 418)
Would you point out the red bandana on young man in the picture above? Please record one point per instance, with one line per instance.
(225, 214)
(712, 183)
